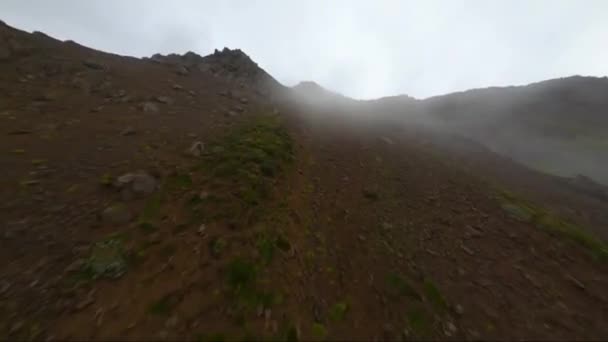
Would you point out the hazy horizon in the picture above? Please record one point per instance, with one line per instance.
(363, 50)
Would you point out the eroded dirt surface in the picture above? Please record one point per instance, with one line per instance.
(117, 225)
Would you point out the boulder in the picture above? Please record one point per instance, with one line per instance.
(164, 99)
(137, 183)
(149, 107)
(197, 149)
(182, 71)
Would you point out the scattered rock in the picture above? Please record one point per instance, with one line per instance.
(149, 107)
(197, 149)
(164, 99)
(387, 141)
(177, 87)
(576, 282)
(473, 232)
(387, 226)
(202, 229)
(459, 310)
(91, 64)
(171, 323)
(450, 329)
(99, 317)
(139, 183)
(75, 266)
(144, 184)
(182, 70)
(97, 109)
(124, 180)
(116, 214)
(15, 328)
(467, 250)
(128, 131)
(163, 335)
(239, 109)
(4, 286)
(232, 113)
(244, 100)
(84, 303)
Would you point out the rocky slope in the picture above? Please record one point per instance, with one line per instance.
(188, 197)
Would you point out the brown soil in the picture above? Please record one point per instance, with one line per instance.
(367, 233)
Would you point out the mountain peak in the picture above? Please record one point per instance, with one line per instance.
(231, 64)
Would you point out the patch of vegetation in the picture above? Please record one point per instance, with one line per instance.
(292, 334)
(106, 180)
(215, 337)
(401, 287)
(38, 161)
(168, 250)
(161, 307)
(152, 207)
(319, 331)
(338, 311)
(267, 244)
(147, 227)
(217, 246)
(250, 157)
(434, 296)
(419, 321)
(544, 219)
(266, 247)
(241, 274)
(107, 260)
(179, 182)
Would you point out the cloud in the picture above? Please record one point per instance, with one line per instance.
(363, 49)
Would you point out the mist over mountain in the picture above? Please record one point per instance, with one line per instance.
(189, 197)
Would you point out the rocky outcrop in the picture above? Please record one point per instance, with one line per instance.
(232, 65)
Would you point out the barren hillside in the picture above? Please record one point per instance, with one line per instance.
(188, 197)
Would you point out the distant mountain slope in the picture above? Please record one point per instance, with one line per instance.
(558, 126)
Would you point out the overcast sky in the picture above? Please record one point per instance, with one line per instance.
(363, 49)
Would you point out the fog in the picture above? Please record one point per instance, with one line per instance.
(362, 49)
(373, 49)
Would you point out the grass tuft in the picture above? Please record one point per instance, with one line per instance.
(401, 287)
(338, 311)
(546, 220)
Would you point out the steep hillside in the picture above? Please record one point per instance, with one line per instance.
(195, 198)
(556, 126)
